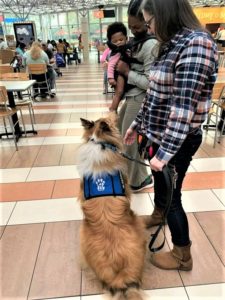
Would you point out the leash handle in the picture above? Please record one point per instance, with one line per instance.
(170, 180)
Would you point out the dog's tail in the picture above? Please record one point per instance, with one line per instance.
(132, 292)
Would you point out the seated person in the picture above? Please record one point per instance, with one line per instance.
(51, 72)
(117, 42)
(37, 56)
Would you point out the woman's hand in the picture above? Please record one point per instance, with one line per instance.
(122, 68)
(157, 165)
(130, 136)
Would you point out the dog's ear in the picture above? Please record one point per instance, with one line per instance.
(87, 124)
(104, 126)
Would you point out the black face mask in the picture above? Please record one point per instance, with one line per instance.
(140, 35)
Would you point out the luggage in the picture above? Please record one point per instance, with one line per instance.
(59, 61)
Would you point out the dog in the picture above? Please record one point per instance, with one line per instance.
(112, 236)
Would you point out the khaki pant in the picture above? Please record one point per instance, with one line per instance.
(128, 112)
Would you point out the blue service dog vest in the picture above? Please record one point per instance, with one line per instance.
(104, 185)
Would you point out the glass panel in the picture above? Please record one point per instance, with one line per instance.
(72, 17)
(59, 32)
(53, 20)
(62, 19)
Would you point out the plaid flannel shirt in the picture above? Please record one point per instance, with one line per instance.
(179, 94)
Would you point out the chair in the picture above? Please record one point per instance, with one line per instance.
(8, 112)
(6, 69)
(221, 60)
(217, 112)
(22, 102)
(7, 55)
(39, 73)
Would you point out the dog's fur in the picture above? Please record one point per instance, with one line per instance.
(112, 236)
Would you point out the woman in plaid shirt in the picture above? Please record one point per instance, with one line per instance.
(176, 104)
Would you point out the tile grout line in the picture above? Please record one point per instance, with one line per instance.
(39, 247)
(205, 233)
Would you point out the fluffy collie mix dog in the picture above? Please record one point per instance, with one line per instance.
(112, 236)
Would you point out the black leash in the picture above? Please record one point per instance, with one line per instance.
(115, 149)
(170, 180)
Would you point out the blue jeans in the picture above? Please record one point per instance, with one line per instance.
(176, 218)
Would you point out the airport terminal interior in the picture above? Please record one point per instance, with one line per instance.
(40, 216)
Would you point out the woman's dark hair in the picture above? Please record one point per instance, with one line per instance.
(114, 28)
(134, 9)
(22, 46)
(170, 17)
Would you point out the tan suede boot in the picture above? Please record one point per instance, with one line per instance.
(177, 259)
(155, 219)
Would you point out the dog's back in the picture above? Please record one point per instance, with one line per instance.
(112, 239)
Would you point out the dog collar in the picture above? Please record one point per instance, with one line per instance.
(105, 145)
(104, 185)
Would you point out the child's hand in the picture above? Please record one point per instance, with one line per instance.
(112, 81)
(105, 65)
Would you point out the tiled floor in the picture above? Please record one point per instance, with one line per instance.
(40, 217)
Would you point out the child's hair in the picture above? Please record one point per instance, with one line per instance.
(114, 28)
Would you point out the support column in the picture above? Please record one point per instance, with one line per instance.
(84, 30)
(120, 13)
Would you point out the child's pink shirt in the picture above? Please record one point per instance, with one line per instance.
(104, 55)
(113, 60)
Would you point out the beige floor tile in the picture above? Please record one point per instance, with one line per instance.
(213, 224)
(2, 228)
(68, 156)
(24, 158)
(44, 118)
(6, 155)
(206, 292)
(90, 284)
(61, 118)
(207, 266)
(49, 155)
(75, 117)
(155, 278)
(167, 294)
(19, 249)
(57, 271)
(6, 209)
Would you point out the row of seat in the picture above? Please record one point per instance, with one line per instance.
(7, 112)
(35, 71)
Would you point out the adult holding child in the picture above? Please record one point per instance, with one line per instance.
(143, 49)
(177, 103)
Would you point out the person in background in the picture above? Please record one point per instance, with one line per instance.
(36, 56)
(143, 49)
(54, 44)
(80, 45)
(61, 49)
(3, 44)
(20, 49)
(67, 48)
(176, 104)
(221, 36)
(51, 72)
(49, 45)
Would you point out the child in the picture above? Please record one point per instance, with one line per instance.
(117, 39)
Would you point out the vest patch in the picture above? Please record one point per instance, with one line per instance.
(104, 185)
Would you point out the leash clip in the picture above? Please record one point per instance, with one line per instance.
(175, 175)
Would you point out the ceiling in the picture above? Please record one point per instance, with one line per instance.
(23, 8)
